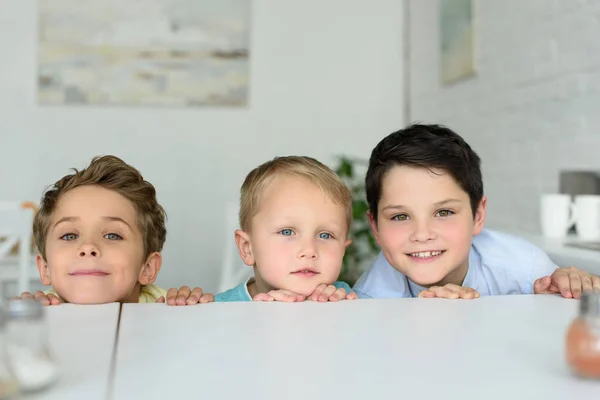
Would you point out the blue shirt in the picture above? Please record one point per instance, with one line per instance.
(499, 264)
(240, 292)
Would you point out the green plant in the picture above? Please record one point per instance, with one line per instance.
(363, 248)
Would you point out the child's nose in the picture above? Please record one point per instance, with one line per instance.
(422, 232)
(308, 249)
(89, 250)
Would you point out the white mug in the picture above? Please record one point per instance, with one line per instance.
(587, 221)
(557, 215)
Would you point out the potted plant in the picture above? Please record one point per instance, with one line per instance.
(363, 249)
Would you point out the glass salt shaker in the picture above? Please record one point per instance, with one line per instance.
(28, 349)
(9, 385)
(583, 338)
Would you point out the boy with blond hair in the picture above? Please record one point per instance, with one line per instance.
(99, 233)
(295, 216)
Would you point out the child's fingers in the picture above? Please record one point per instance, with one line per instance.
(352, 296)
(426, 294)
(552, 289)
(575, 282)
(339, 294)
(286, 296)
(24, 296)
(182, 296)
(541, 285)
(328, 292)
(468, 293)
(293, 297)
(42, 298)
(54, 300)
(586, 282)
(207, 298)
(171, 295)
(317, 293)
(560, 279)
(454, 288)
(161, 299)
(263, 297)
(461, 292)
(444, 292)
(195, 296)
(465, 295)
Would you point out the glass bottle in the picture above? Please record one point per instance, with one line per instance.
(9, 386)
(583, 338)
(27, 345)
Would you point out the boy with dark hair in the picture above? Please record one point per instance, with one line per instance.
(427, 210)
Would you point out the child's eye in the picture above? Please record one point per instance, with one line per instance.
(69, 236)
(286, 232)
(444, 213)
(400, 217)
(325, 235)
(112, 236)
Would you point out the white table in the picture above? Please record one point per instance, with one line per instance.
(82, 339)
(504, 347)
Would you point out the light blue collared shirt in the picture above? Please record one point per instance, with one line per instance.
(240, 292)
(499, 264)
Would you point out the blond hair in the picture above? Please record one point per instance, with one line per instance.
(299, 166)
(111, 173)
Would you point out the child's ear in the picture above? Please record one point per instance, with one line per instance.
(150, 269)
(43, 270)
(244, 245)
(479, 216)
(373, 225)
(348, 243)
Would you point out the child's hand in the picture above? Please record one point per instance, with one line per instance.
(185, 296)
(279, 295)
(569, 282)
(325, 292)
(450, 291)
(44, 299)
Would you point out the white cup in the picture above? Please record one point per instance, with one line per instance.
(587, 219)
(557, 215)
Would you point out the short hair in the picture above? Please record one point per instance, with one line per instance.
(425, 146)
(299, 166)
(111, 173)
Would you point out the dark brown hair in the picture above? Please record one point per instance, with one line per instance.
(425, 146)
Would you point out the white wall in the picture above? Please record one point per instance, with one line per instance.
(532, 109)
(326, 79)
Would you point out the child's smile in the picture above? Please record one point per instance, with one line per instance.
(426, 256)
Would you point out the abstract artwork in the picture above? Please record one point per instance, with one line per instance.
(456, 40)
(180, 53)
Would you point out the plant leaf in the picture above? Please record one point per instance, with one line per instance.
(359, 209)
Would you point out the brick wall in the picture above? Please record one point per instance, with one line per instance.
(534, 106)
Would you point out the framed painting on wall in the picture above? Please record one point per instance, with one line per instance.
(182, 53)
(456, 40)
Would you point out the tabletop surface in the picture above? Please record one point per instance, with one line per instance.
(493, 348)
(82, 339)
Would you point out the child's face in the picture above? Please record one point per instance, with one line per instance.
(297, 239)
(425, 225)
(94, 249)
